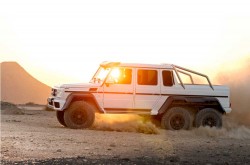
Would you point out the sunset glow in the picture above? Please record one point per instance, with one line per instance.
(65, 41)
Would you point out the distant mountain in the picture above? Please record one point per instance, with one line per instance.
(19, 87)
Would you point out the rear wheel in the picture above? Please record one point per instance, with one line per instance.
(176, 118)
(208, 117)
(60, 117)
(79, 115)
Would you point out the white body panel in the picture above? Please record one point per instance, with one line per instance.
(118, 96)
(146, 96)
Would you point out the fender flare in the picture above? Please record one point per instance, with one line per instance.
(190, 101)
(82, 96)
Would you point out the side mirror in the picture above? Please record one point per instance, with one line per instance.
(109, 81)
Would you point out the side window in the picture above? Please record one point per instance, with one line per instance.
(121, 75)
(167, 77)
(147, 77)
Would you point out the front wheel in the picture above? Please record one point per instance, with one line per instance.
(60, 117)
(176, 118)
(208, 117)
(79, 115)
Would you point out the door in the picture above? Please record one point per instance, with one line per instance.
(147, 89)
(118, 95)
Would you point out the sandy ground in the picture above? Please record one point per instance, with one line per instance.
(36, 137)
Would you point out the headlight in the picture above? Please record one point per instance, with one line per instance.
(53, 92)
(57, 92)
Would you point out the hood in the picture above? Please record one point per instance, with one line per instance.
(77, 85)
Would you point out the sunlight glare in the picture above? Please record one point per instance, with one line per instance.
(115, 74)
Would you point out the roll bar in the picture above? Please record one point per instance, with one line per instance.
(184, 71)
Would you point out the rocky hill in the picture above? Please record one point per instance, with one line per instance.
(19, 87)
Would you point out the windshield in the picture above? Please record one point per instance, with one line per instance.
(100, 75)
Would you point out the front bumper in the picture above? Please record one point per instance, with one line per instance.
(55, 103)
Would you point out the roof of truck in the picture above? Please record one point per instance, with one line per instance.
(136, 65)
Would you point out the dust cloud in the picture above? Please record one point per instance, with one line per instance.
(236, 75)
(124, 123)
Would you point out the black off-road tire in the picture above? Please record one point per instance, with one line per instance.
(208, 117)
(176, 118)
(60, 117)
(79, 115)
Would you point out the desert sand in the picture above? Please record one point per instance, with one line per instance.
(35, 136)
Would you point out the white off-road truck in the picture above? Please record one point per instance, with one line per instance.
(166, 92)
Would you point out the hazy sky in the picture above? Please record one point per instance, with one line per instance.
(64, 41)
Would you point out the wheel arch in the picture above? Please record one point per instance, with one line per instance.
(198, 102)
(82, 97)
